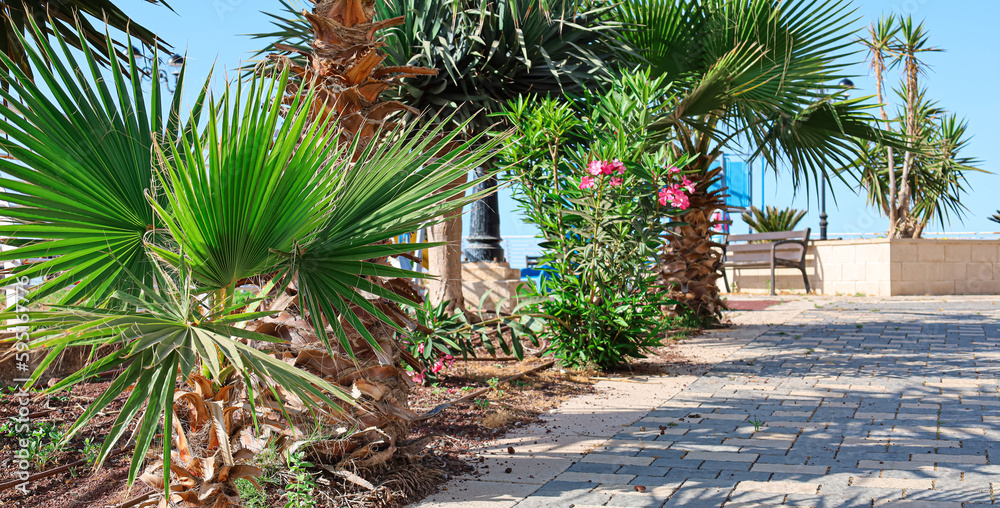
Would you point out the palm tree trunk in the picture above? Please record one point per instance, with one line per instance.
(691, 262)
(446, 262)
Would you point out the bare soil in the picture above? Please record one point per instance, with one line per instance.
(454, 432)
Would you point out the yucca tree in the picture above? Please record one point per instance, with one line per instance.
(756, 74)
(61, 18)
(926, 182)
(152, 226)
(936, 173)
(483, 54)
(773, 219)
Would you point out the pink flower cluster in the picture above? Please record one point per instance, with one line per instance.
(675, 193)
(446, 361)
(601, 168)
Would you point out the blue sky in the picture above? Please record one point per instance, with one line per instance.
(963, 79)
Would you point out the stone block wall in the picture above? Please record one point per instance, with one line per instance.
(883, 267)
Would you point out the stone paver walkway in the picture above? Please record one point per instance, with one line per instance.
(893, 403)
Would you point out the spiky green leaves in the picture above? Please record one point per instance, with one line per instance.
(258, 182)
(170, 337)
(83, 146)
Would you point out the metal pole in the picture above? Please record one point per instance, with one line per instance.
(484, 225)
(822, 209)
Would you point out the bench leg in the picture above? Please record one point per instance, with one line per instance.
(726, 279)
(772, 275)
(805, 278)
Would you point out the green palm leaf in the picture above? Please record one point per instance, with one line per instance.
(757, 73)
(83, 150)
(263, 185)
(401, 185)
(159, 344)
(68, 20)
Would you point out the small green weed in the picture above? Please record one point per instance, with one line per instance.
(301, 491)
(482, 403)
(251, 496)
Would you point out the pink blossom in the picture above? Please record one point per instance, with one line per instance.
(587, 182)
(420, 348)
(419, 377)
(438, 366)
(676, 196)
(616, 181)
(450, 360)
(616, 166)
(673, 169)
(688, 184)
(681, 201)
(595, 167)
(664, 194)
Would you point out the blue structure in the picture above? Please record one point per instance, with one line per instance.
(737, 176)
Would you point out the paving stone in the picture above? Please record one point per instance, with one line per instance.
(903, 411)
(696, 497)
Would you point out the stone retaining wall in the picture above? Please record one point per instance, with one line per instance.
(883, 267)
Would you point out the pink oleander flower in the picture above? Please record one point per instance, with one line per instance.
(438, 366)
(595, 167)
(681, 201)
(419, 377)
(675, 195)
(665, 195)
(616, 181)
(450, 360)
(616, 166)
(420, 348)
(587, 182)
(673, 169)
(688, 184)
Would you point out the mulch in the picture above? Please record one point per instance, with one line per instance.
(455, 431)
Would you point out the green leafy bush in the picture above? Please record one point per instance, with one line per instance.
(443, 336)
(584, 174)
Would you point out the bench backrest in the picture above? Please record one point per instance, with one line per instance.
(778, 235)
(757, 246)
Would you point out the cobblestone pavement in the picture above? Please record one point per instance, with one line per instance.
(894, 403)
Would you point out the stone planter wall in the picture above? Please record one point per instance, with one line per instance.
(883, 267)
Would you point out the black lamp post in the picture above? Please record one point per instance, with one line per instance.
(848, 84)
(484, 225)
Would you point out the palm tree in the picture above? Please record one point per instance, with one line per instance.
(152, 228)
(484, 55)
(773, 219)
(753, 73)
(62, 17)
(931, 178)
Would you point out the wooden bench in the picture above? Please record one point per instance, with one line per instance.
(782, 249)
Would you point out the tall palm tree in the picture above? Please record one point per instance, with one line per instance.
(62, 17)
(484, 54)
(151, 227)
(755, 74)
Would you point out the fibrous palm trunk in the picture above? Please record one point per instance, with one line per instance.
(347, 74)
(691, 262)
(345, 68)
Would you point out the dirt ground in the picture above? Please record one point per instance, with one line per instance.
(454, 431)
